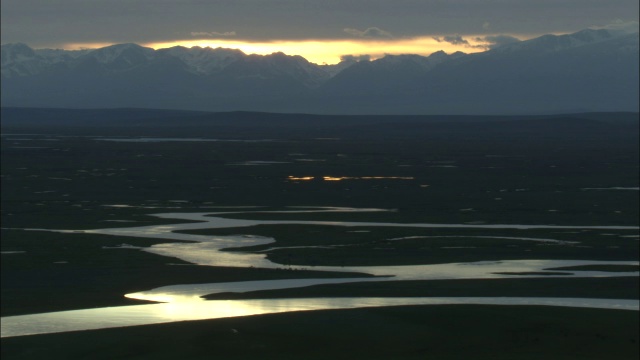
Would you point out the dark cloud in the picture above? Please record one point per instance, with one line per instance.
(495, 41)
(451, 39)
(626, 27)
(46, 22)
(372, 32)
(355, 58)
(212, 33)
(489, 41)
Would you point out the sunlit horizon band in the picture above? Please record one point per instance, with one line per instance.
(321, 51)
(331, 51)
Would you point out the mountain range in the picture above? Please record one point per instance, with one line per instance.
(590, 70)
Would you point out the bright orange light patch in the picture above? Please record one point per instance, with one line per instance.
(302, 178)
(329, 51)
(331, 178)
(386, 177)
(340, 178)
(82, 46)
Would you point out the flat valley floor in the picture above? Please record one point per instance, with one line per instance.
(79, 171)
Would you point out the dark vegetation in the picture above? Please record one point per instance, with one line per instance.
(73, 271)
(605, 288)
(611, 268)
(368, 246)
(60, 172)
(506, 170)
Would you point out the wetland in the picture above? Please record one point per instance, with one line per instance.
(115, 214)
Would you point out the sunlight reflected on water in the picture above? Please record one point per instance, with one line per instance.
(184, 302)
(110, 317)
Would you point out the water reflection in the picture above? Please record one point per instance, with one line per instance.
(184, 302)
(154, 140)
(340, 178)
(162, 313)
(205, 250)
(193, 292)
(474, 270)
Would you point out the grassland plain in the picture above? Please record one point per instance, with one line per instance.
(569, 170)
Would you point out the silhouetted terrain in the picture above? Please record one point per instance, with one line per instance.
(96, 169)
(590, 70)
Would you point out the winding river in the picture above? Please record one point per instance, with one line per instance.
(184, 302)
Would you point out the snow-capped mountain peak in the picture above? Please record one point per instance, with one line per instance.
(60, 55)
(593, 69)
(552, 43)
(204, 60)
(21, 60)
(17, 52)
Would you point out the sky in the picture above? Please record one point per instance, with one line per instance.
(323, 31)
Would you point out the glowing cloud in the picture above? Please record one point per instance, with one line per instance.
(332, 50)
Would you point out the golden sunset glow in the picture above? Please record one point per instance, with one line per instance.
(83, 46)
(330, 51)
(340, 178)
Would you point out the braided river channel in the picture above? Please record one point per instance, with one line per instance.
(184, 302)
